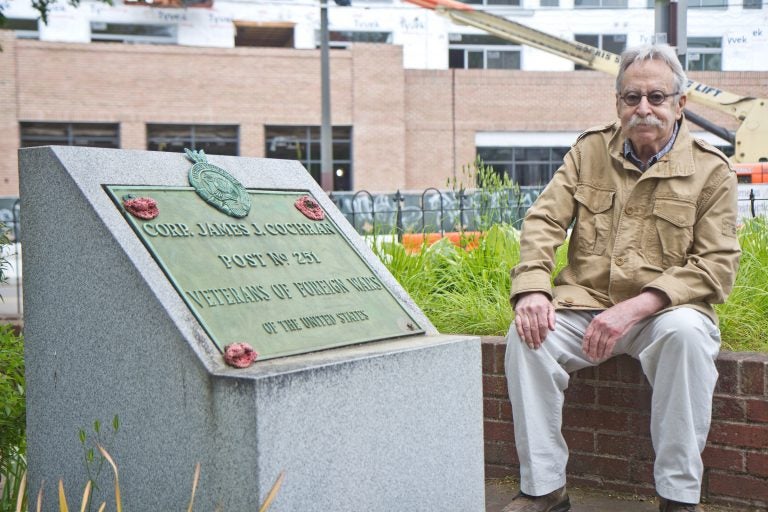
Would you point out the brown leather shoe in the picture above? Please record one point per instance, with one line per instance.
(666, 505)
(556, 501)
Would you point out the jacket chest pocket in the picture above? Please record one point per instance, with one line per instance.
(674, 220)
(595, 218)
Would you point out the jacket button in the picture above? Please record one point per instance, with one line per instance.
(567, 301)
(620, 261)
(629, 210)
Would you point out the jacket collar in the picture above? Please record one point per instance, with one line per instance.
(677, 162)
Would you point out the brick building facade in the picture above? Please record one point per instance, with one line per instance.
(411, 128)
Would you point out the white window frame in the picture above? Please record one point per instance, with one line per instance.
(698, 51)
(105, 135)
(484, 48)
(699, 4)
(603, 4)
(23, 33)
(343, 45)
(496, 3)
(172, 38)
(193, 136)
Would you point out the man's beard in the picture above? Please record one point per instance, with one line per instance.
(649, 120)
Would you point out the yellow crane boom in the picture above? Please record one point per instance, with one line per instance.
(751, 138)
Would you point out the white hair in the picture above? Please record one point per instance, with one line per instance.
(662, 52)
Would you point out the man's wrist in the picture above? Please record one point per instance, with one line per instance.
(649, 302)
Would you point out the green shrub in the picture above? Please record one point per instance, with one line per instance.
(744, 316)
(467, 292)
(12, 414)
(460, 291)
(12, 403)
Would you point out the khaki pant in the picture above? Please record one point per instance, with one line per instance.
(677, 351)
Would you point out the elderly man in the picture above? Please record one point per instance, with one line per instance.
(653, 246)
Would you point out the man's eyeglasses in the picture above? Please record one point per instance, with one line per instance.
(656, 98)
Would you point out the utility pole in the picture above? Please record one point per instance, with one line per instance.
(326, 135)
(671, 26)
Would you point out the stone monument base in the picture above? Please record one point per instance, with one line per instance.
(392, 425)
(389, 425)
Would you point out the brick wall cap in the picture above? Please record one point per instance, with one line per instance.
(496, 340)
(758, 357)
(725, 355)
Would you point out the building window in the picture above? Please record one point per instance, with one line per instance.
(302, 143)
(97, 135)
(264, 34)
(707, 4)
(614, 43)
(133, 33)
(213, 139)
(705, 54)
(704, 4)
(600, 4)
(171, 4)
(25, 28)
(475, 51)
(753, 4)
(343, 38)
(525, 166)
(493, 2)
(549, 3)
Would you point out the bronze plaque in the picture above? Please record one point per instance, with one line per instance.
(283, 278)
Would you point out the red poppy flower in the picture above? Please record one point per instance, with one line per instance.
(239, 355)
(310, 208)
(142, 207)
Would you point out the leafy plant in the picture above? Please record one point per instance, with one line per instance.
(744, 316)
(12, 480)
(95, 454)
(12, 414)
(4, 241)
(494, 192)
(64, 506)
(460, 291)
(468, 291)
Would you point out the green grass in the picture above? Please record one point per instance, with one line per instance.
(461, 291)
(744, 316)
(467, 292)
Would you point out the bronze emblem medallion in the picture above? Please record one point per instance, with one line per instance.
(217, 187)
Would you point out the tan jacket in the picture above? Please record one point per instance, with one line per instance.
(671, 228)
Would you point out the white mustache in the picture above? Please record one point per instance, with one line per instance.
(649, 120)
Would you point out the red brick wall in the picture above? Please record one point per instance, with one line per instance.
(378, 117)
(9, 125)
(606, 423)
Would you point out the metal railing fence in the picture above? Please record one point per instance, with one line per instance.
(433, 210)
(436, 211)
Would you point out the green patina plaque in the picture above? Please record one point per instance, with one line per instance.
(277, 279)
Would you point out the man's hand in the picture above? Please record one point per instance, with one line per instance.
(609, 326)
(534, 315)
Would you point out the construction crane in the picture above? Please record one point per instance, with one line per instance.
(750, 141)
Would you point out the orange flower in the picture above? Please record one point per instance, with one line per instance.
(310, 208)
(240, 355)
(141, 207)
